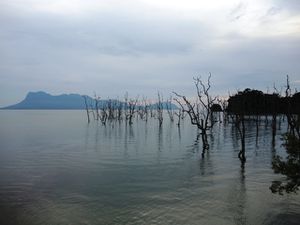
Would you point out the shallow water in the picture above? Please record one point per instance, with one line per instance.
(57, 169)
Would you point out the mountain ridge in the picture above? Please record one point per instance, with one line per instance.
(43, 100)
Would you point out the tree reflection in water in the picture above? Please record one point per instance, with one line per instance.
(240, 217)
(290, 167)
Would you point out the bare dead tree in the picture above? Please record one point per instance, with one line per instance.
(86, 107)
(292, 118)
(110, 109)
(240, 125)
(151, 109)
(143, 110)
(274, 112)
(159, 109)
(130, 108)
(170, 109)
(92, 111)
(146, 108)
(103, 115)
(238, 118)
(178, 113)
(97, 99)
(126, 112)
(199, 111)
(132, 105)
(119, 108)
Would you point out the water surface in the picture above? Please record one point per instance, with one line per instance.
(57, 169)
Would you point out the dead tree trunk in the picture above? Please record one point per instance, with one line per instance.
(86, 108)
(119, 110)
(240, 125)
(292, 117)
(131, 105)
(104, 115)
(170, 109)
(179, 116)
(160, 109)
(97, 99)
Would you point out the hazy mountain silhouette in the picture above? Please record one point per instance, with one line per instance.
(43, 100)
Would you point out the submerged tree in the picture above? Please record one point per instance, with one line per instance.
(239, 121)
(169, 108)
(159, 109)
(97, 99)
(237, 109)
(199, 111)
(130, 108)
(85, 97)
(103, 114)
(180, 116)
(290, 167)
(119, 108)
(143, 109)
(293, 110)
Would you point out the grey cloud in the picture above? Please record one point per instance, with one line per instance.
(237, 12)
(273, 11)
(115, 52)
(106, 33)
(293, 6)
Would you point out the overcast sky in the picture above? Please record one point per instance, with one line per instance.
(144, 46)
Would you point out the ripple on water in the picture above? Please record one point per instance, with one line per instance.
(63, 171)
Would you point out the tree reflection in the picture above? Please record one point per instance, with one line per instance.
(240, 217)
(160, 139)
(290, 167)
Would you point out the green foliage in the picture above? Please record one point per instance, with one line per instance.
(289, 167)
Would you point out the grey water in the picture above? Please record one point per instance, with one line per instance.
(57, 169)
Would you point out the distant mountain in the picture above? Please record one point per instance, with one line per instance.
(164, 105)
(43, 100)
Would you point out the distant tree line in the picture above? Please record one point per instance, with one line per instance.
(128, 109)
(255, 102)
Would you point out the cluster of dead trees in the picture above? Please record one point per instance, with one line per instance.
(245, 107)
(203, 110)
(254, 106)
(243, 110)
(129, 109)
(200, 110)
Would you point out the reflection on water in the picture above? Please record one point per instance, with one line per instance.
(56, 169)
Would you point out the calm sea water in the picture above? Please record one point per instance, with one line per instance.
(57, 169)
